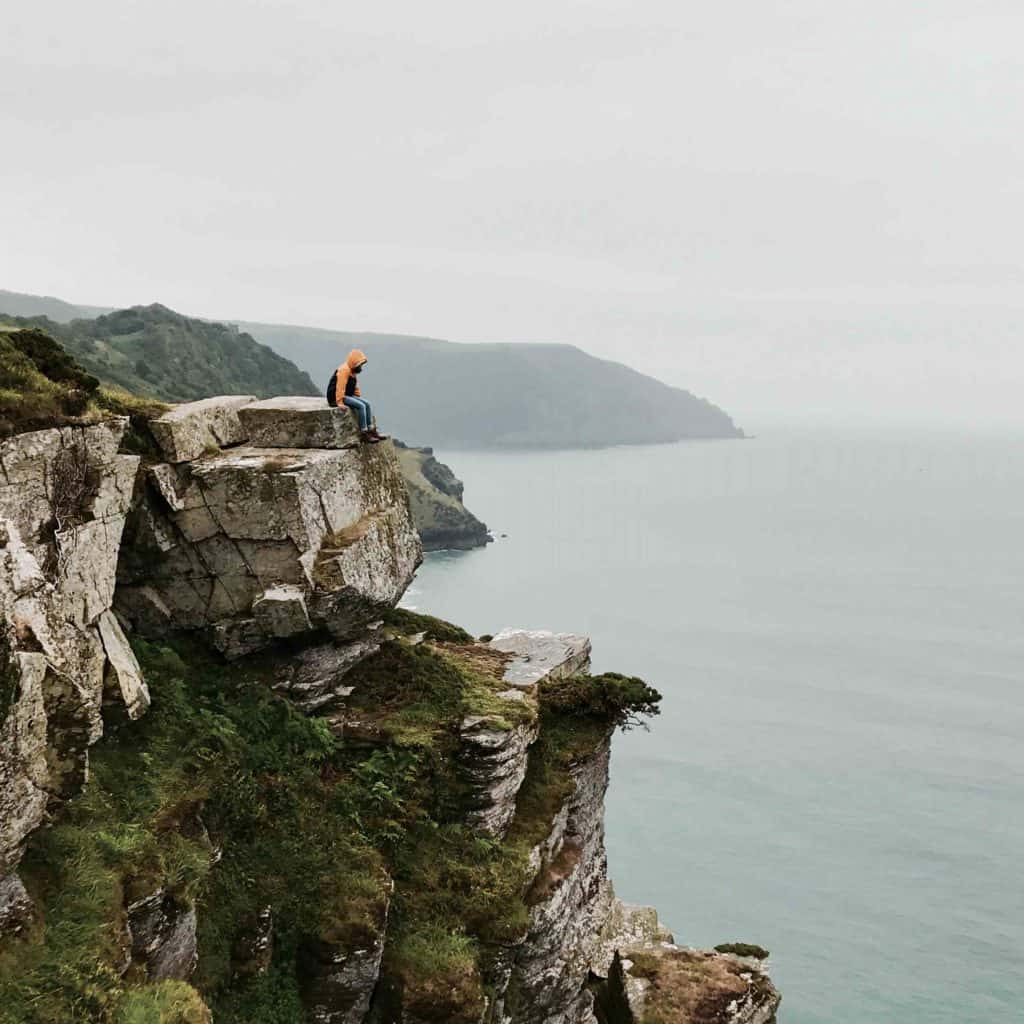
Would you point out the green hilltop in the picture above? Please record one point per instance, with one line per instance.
(153, 351)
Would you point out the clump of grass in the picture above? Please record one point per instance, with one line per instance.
(164, 1002)
(408, 623)
(40, 385)
(692, 986)
(744, 949)
(617, 700)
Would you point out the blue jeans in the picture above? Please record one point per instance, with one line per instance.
(363, 411)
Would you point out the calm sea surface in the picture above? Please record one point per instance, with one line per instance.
(837, 626)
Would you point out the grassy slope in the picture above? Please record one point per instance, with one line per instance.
(307, 824)
(40, 386)
(155, 352)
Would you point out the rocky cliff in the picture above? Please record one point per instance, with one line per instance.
(436, 499)
(333, 811)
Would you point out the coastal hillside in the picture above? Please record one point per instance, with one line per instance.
(238, 784)
(40, 384)
(153, 351)
(435, 496)
(452, 395)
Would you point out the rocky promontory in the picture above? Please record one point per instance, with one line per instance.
(239, 784)
(436, 499)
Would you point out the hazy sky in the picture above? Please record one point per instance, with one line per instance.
(790, 206)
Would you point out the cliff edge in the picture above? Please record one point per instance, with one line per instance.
(238, 782)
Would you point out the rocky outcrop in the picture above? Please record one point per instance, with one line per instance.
(494, 747)
(191, 430)
(536, 655)
(577, 924)
(163, 936)
(339, 978)
(64, 496)
(435, 495)
(298, 422)
(260, 543)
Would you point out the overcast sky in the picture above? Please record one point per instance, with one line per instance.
(793, 207)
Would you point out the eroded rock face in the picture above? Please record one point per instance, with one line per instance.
(163, 933)
(64, 496)
(339, 978)
(255, 544)
(494, 754)
(494, 759)
(572, 901)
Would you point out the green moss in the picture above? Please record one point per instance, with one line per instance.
(315, 827)
(408, 623)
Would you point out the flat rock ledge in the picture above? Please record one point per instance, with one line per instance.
(195, 428)
(539, 655)
(298, 422)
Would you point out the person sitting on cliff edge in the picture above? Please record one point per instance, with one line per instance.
(343, 385)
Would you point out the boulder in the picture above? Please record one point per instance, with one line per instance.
(163, 935)
(538, 655)
(255, 544)
(315, 677)
(192, 429)
(122, 669)
(299, 422)
(281, 611)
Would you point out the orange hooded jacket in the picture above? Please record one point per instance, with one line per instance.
(355, 358)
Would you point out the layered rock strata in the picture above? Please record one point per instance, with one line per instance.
(64, 496)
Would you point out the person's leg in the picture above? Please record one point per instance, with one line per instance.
(369, 414)
(361, 409)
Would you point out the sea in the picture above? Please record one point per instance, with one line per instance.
(836, 622)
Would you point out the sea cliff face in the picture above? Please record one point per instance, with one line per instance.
(333, 811)
(436, 499)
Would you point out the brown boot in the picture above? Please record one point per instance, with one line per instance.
(367, 437)
(377, 435)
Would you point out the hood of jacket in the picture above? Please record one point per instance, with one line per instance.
(355, 359)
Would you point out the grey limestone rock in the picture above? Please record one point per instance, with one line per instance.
(493, 759)
(15, 906)
(255, 544)
(339, 978)
(314, 678)
(538, 654)
(64, 496)
(299, 422)
(193, 428)
(163, 935)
